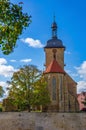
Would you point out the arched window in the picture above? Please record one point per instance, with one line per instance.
(53, 88)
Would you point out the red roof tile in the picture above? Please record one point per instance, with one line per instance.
(54, 67)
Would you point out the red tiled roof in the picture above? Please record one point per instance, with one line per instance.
(54, 67)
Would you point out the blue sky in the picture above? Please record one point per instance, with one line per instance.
(71, 21)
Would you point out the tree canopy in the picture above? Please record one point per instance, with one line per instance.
(12, 23)
(28, 88)
(1, 91)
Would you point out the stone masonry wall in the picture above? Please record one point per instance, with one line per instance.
(42, 121)
(59, 56)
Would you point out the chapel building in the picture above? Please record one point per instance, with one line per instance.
(62, 88)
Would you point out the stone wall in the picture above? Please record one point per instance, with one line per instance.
(42, 121)
(59, 56)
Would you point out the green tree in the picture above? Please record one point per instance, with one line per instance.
(28, 88)
(41, 93)
(1, 91)
(12, 23)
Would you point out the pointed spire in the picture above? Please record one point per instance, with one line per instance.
(54, 28)
(54, 17)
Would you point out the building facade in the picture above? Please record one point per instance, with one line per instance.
(62, 88)
(81, 97)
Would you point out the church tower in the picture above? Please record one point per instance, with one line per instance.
(59, 82)
(54, 48)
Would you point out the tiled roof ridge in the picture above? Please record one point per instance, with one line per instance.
(54, 67)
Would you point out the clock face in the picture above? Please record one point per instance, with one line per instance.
(54, 51)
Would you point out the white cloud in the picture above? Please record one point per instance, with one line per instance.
(81, 86)
(26, 60)
(68, 71)
(74, 74)
(2, 61)
(13, 60)
(3, 84)
(6, 70)
(33, 43)
(82, 70)
(68, 52)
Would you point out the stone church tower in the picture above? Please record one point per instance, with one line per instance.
(62, 88)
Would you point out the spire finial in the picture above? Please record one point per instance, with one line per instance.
(54, 28)
(54, 17)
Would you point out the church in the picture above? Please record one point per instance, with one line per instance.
(62, 88)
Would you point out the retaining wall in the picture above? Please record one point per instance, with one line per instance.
(42, 121)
